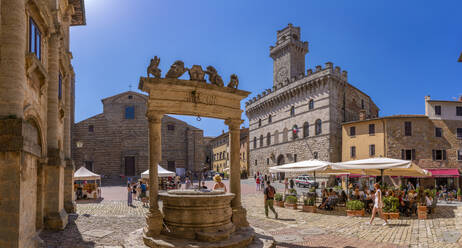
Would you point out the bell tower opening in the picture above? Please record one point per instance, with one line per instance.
(288, 55)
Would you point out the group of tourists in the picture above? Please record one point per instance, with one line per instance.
(137, 191)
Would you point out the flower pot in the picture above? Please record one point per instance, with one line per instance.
(422, 214)
(459, 198)
(310, 209)
(391, 216)
(422, 208)
(354, 213)
(290, 205)
(280, 204)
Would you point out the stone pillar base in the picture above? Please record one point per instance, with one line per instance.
(70, 207)
(239, 217)
(56, 221)
(154, 221)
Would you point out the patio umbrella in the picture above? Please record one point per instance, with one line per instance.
(312, 165)
(382, 167)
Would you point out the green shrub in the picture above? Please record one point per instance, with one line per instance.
(278, 197)
(312, 189)
(355, 205)
(337, 188)
(291, 199)
(390, 204)
(458, 192)
(292, 191)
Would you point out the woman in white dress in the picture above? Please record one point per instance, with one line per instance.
(377, 205)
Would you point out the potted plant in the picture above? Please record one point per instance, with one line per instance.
(309, 204)
(390, 207)
(355, 208)
(279, 200)
(291, 202)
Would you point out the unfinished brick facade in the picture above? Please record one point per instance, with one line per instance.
(115, 143)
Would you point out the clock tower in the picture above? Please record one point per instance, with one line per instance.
(288, 55)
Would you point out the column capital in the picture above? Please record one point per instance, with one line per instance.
(154, 116)
(234, 124)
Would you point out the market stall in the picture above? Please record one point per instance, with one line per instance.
(165, 178)
(87, 184)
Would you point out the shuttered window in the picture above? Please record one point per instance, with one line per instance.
(407, 128)
(439, 155)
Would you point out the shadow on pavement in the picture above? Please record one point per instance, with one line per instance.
(69, 237)
(288, 245)
(88, 201)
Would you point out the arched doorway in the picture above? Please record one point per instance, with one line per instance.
(281, 161)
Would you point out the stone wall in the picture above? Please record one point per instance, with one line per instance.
(114, 138)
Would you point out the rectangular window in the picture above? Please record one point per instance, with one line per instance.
(256, 162)
(459, 133)
(459, 111)
(91, 128)
(371, 129)
(171, 165)
(130, 112)
(170, 127)
(267, 161)
(439, 155)
(35, 39)
(362, 104)
(407, 128)
(371, 150)
(437, 110)
(438, 132)
(353, 151)
(408, 154)
(89, 165)
(295, 157)
(60, 86)
(352, 131)
(459, 155)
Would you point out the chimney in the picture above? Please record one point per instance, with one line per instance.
(460, 98)
(222, 131)
(427, 98)
(362, 115)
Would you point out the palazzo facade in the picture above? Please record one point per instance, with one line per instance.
(300, 116)
(36, 113)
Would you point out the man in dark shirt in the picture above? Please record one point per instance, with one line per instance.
(269, 193)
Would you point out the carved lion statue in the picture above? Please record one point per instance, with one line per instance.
(176, 70)
(153, 67)
(233, 81)
(214, 78)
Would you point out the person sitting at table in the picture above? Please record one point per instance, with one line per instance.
(402, 207)
(343, 197)
(356, 195)
(331, 200)
(324, 196)
(428, 202)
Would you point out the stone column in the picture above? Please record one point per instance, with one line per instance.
(239, 213)
(154, 218)
(12, 53)
(69, 202)
(55, 215)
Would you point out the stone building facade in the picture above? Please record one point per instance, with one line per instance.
(300, 117)
(433, 141)
(115, 143)
(36, 113)
(220, 151)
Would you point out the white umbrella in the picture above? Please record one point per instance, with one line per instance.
(161, 172)
(312, 165)
(381, 167)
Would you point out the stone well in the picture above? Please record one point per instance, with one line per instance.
(196, 215)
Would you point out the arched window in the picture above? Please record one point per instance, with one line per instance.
(318, 127)
(268, 139)
(276, 137)
(284, 135)
(259, 122)
(270, 119)
(311, 104)
(254, 142)
(294, 132)
(261, 140)
(306, 130)
(292, 111)
(315, 155)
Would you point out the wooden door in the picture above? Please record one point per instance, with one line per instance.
(130, 166)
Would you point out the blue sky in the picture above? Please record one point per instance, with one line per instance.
(395, 51)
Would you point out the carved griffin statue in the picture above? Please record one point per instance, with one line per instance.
(233, 81)
(153, 67)
(176, 70)
(196, 73)
(214, 78)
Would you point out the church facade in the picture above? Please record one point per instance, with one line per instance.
(115, 143)
(300, 116)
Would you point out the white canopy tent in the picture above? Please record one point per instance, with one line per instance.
(84, 174)
(382, 167)
(312, 165)
(160, 171)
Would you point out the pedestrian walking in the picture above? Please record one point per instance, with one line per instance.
(134, 191)
(269, 193)
(129, 195)
(377, 205)
(143, 194)
(286, 185)
(257, 181)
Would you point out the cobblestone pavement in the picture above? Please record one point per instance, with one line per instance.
(107, 223)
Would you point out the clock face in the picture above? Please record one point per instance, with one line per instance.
(282, 74)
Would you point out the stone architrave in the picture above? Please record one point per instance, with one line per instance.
(189, 97)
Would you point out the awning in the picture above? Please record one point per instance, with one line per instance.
(444, 172)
